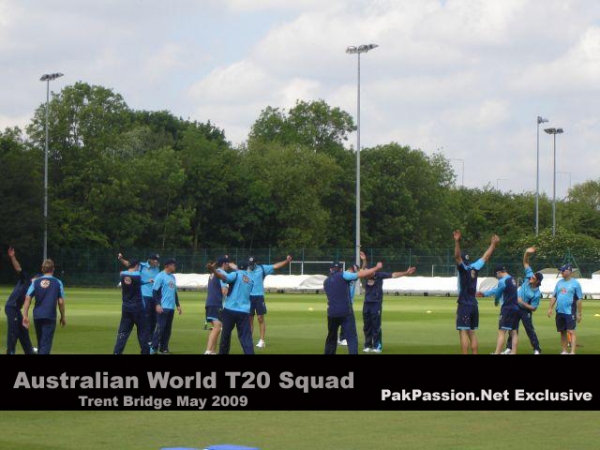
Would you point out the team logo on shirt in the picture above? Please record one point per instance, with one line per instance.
(171, 285)
(45, 284)
(370, 282)
(127, 280)
(563, 291)
(245, 279)
(473, 274)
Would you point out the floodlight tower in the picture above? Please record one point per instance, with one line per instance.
(47, 77)
(352, 50)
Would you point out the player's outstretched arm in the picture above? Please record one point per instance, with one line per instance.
(494, 241)
(457, 235)
(526, 305)
(123, 260)
(408, 271)
(363, 260)
(368, 272)
(13, 259)
(283, 263)
(530, 251)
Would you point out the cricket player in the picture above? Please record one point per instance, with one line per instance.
(217, 291)
(236, 311)
(14, 318)
(165, 297)
(132, 310)
(339, 306)
(568, 300)
(467, 313)
(258, 307)
(48, 292)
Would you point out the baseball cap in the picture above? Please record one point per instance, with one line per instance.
(500, 268)
(251, 261)
(539, 276)
(133, 263)
(336, 265)
(464, 256)
(154, 256)
(170, 261)
(566, 267)
(243, 265)
(222, 260)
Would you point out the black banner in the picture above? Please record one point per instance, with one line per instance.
(299, 382)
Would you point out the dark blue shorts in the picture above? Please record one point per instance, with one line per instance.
(213, 313)
(509, 320)
(565, 322)
(467, 317)
(257, 305)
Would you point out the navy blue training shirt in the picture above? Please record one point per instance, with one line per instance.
(131, 287)
(374, 287)
(46, 290)
(337, 288)
(467, 282)
(17, 296)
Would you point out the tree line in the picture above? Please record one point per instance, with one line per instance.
(122, 178)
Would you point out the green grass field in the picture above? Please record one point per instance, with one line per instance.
(452, 430)
(297, 324)
(292, 328)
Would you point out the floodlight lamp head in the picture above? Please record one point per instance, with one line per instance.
(559, 131)
(352, 49)
(367, 47)
(50, 76)
(550, 130)
(540, 119)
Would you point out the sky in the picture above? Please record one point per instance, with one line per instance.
(467, 78)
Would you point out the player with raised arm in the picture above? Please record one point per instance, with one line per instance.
(339, 306)
(529, 301)
(149, 270)
(237, 307)
(373, 305)
(568, 300)
(217, 291)
(132, 310)
(509, 312)
(14, 318)
(258, 273)
(467, 313)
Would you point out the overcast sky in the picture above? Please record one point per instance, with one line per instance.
(468, 77)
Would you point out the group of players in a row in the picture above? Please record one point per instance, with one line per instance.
(236, 294)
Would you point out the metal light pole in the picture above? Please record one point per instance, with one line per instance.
(554, 132)
(540, 120)
(358, 50)
(47, 77)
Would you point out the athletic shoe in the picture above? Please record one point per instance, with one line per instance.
(507, 351)
(35, 350)
(261, 344)
(376, 350)
(564, 353)
(165, 351)
(537, 352)
(367, 350)
(343, 342)
(152, 350)
(208, 352)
